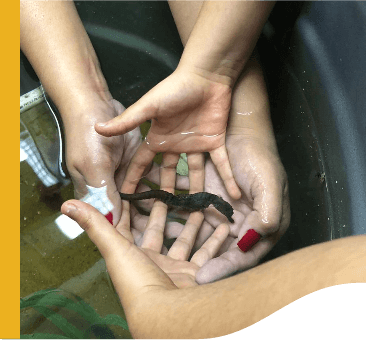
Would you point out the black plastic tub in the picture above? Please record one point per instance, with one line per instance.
(313, 56)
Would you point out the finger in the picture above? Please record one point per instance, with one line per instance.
(267, 217)
(181, 249)
(132, 141)
(153, 174)
(168, 172)
(164, 250)
(232, 261)
(100, 231)
(123, 225)
(130, 269)
(220, 159)
(138, 163)
(225, 265)
(132, 117)
(266, 232)
(211, 246)
(153, 235)
(182, 182)
(205, 231)
(195, 163)
(138, 236)
(173, 229)
(144, 205)
(118, 106)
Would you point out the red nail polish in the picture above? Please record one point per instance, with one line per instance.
(248, 240)
(109, 217)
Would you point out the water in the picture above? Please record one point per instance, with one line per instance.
(48, 258)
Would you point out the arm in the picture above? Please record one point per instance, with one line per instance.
(247, 20)
(251, 296)
(193, 117)
(250, 141)
(58, 47)
(55, 42)
(224, 37)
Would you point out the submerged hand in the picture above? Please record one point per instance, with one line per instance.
(264, 205)
(95, 160)
(189, 114)
(139, 269)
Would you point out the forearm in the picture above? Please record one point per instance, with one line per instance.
(55, 42)
(250, 296)
(250, 109)
(250, 114)
(224, 37)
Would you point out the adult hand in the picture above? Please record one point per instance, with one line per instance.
(95, 160)
(264, 205)
(189, 113)
(58, 47)
(143, 268)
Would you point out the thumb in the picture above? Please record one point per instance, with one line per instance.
(131, 118)
(107, 239)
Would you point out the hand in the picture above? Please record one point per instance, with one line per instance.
(264, 205)
(189, 114)
(95, 160)
(145, 264)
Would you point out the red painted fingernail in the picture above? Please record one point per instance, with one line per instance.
(248, 240)
(109, 217)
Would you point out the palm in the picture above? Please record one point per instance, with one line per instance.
(257, 170)
(190, 114)
(181, 272)
(174, 262)
(264, 205)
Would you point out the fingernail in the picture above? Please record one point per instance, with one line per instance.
(109, 217)
(102, 124)
(249, 240)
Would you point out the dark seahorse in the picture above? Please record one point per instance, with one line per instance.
(188, 202)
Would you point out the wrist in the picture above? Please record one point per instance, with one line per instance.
(224, 37)
(253, 126)
(217, 68)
